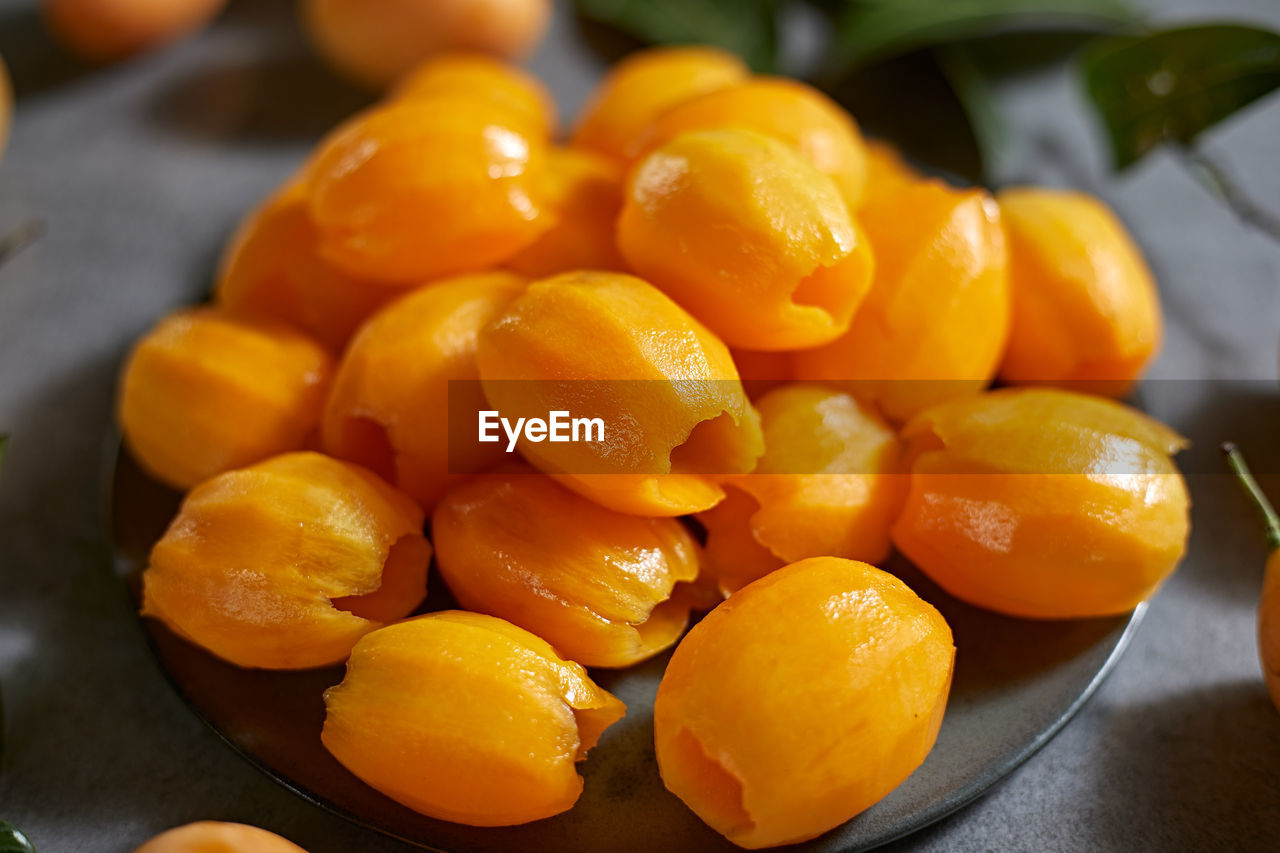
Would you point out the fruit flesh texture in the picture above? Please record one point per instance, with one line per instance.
(611, 346)
(747, 236)
(642, 87)
(802, 700)
(217, 837)
(1269, 627)
(787, 110)
(108, 30)
(1043, 504)
(466, 718)
(374, 42)
(1085, 308)
(272, 269)
(584, 196)
(203, 393)
(393, 407)
(828, 484)
(935, 321)
(284, 565)
(600, 586)
(423, 188)
(483, 78)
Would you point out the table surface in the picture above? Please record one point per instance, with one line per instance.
(140, 170)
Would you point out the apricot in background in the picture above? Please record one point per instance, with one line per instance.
(203, 393)
(492, 81)
(466, 718)
(887, 170)
(1043, 504)
(602, 587)
(217, 837)
(285, 564)
(107, 30)
(748, 236)
(802, 700)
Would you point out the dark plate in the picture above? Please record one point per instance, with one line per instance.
(1016, 684)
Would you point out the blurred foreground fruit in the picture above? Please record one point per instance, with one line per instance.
(376, 41)
(1085, 308)
(610, 346)
(203, 393)
(467, 718)
(802, 700)
(602, 587)
(1269, 603)
(216, 837)
(107, 30)
(286, 564)
(748, 236)
(1043, 504)
(828, 484)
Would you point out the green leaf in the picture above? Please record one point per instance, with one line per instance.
(977, 98)
(1171, 86)
(748, 28)
(871, 30)
(13, 841)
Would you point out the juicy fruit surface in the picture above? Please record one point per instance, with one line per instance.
(257, 561)
(802, 700)
(468, 718)
(1043, 504)
(217, 837)
(476, 76)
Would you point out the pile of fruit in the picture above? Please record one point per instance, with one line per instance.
(788, 335)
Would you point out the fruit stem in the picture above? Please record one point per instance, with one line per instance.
(1235, 460)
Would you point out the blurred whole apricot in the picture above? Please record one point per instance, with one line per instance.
(747, 236)
(788, 110)
(584, 196)
(485, 78)
(1085, 308)
(935, 321)
(390, 407)
(467, 718)
(644, 85)
(1043, 504)
(203, 393)
(272, 269)
(412, 191)
(6, 106)
(610, 346)
(600, 586)
(802, 700)
(107, 30)
(828, 484)
(209, 836)
(376, 41)
(285, 564)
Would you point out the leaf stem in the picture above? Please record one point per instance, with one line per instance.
(1215, 179)
(1235, 461)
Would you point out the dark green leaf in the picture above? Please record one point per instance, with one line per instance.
(870, 30)
(749, 28)
(1173, 85)
(974, 90)
(13, 841)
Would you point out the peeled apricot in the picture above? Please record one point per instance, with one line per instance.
(1044, 504)
(375, 41)
(828, 484)
(762, 371)
(644, 85)
(204, 393)
(487, 79)
(749, 237)
(272, 269)
(611, 347)
(602, 587)
(285, 564)
(787, 110)
(887, 170)
(392, 405)
(467, 718)
(210, 836)
(802, 700)
(935, 321)
(412, 191)
(107, 30)
(583, 196)
(1085, 308)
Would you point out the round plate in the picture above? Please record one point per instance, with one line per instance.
(1016, 684)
